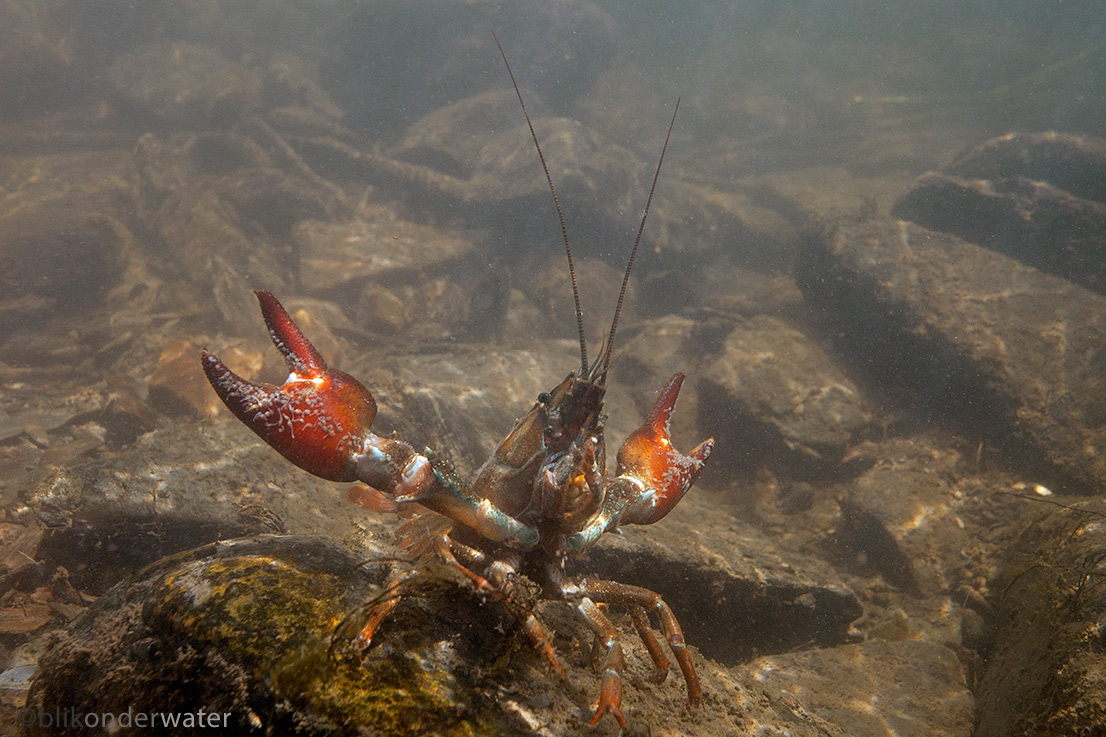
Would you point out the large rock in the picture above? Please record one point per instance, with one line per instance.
(240, 630)
(858, 688)
(773, 396)
(737, 593)
(1013, 354)
(66, 241)
(257, 631)
(1037, 197)
(1046, 671)
(375, 243)
(1031, 221)
(1073, 163)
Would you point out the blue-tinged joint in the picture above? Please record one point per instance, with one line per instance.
(587, 537)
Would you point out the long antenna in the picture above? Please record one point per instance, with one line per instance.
(561, 215)
(607, 349)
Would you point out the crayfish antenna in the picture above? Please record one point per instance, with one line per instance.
(605, 360)
(560, 215)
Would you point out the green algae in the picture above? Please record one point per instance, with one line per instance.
(276, 619)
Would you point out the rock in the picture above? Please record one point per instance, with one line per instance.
(735, 592)
(184, 85)
(375, 244)
(810, 194)
(863, 542)
(24, 619)
(1031, 221)
(241, 629)
(175, 488)
(931, 506)
(1045, 666)
(1010, 353)
(737, 292)
(776, 398)
(1034, 197)
(1073, 163)
(858, 688)
(494, 182)
(210, 619)
(451, 138)
(505, 191)
(18, 547)
(66, 242)
(21, 668)
(177, 386)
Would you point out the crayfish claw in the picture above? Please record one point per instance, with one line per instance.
(318, 418)
(648, 458)
(303, 359)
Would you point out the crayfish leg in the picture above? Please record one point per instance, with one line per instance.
(393, 592)
(539, 638)
(443, 545)
(645, 631)
(610, 649)
(612, 592)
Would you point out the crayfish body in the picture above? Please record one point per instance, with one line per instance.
(543, 495)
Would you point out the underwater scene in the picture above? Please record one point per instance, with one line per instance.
(580, 367)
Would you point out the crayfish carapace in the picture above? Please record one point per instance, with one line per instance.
(543, 495)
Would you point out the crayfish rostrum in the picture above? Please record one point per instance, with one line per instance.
(543, 495)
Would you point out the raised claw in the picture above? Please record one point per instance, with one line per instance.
(647, 457)
(652, 475)
(318, 419)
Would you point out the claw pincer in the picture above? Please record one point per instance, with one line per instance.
(648, 457)
(652, 475)
(320, 419)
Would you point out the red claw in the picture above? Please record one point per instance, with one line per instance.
(664, 472)
(302, 357)
(318, 419)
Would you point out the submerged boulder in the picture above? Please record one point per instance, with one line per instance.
(237, 635)
(1012, 354)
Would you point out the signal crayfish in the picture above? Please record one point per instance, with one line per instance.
(543, 495)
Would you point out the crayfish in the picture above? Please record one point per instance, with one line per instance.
(542, 496)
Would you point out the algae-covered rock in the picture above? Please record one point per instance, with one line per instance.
(254, 636)
(240, 632)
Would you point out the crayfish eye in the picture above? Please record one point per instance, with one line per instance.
(545, 398)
